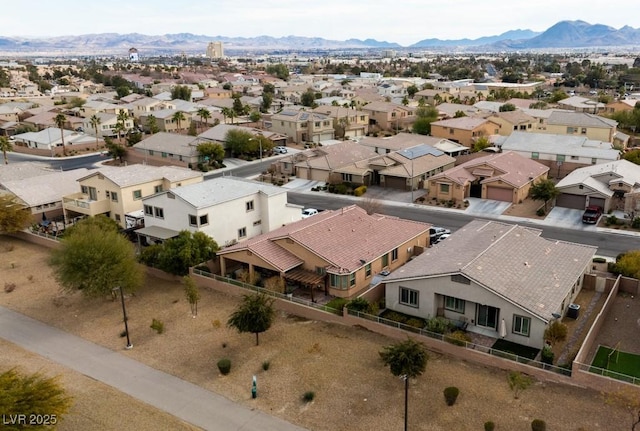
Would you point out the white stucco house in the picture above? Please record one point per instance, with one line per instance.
(228, 209)
(501, 280)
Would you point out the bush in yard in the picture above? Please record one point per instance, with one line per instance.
(308, 396)
(337, 303)
(157, 326)
(359, 304)
(451, 395)
(438, 325)
(266, 365)
(489, 426)
(459, 338)
(415, 322)
(538, 425)
(556, 332)
(540, 212)
(547, 355)
(224, 366)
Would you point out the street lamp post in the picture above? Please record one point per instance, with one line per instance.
(129, 346)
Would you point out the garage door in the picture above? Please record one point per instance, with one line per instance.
(500, 194)
(597, 202)
(568, 200)
(395, 183)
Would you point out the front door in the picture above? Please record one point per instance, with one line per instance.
(487, 316)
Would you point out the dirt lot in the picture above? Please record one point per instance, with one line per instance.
(340, 364)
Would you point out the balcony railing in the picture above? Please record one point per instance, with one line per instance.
(81, 203)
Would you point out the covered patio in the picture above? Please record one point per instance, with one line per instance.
(307, 279)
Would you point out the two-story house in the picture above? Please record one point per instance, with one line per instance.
(389, 116)
(590, 126)
(117, 192)
(228, 209)
(464, 130)
(349, 123)
(107, 124)
(166, 121)
(303, 126)
(510, 121)
(164, 148)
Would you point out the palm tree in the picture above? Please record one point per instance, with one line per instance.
(408, 360)
(204, 114)
(178, 117)
(227, 112)
(59, 120)
(152, 124)
(123, 116)
(5, 145)
(95, 122)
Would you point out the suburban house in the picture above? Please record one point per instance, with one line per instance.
(50, 140)
(401, 141)
(510, 121)
(228, 209)
(464, 130)
(107, 125)
(433, 97)
(581, 104)
(620, 105)
(142, 106)
(337, 251)
(348, 123)
(169, 148)
(165, 120)
(389, 116)
(92, 107)
(117, 192)
(611, 186)
(449, 110)
(561, 153)
(492, 278)
(303, 126)
(506, 177)
(218, 134)
(590, 126)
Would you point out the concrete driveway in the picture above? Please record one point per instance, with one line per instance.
(486, 207)
(567, 217)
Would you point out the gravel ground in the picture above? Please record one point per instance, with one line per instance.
(353, 391)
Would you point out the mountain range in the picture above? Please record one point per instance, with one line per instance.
(564, 34)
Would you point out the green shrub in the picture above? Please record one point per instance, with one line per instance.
(359, 191)
(396, 317)
(224, 366)
(359, 304)
(438, 325)
(611, 220)
(547, 355)
(157, 326)
(540, 212)
(459, 338)
(538, 425)
(489, 426)
(308, 396)
(416, 322)
(337, 303)
(635, 223)
(556, 332)
(266, 365)
(451, 395)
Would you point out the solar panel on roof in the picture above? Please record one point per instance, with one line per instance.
(419, 151)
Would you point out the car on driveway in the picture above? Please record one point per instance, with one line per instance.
(592, 214)
(442, 238)
(436, 232)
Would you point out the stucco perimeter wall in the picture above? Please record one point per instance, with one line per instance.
(36, 239)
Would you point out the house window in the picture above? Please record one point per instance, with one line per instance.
(242, 232)
(451, 131)
(487, 316)
(347, 177)
(157, 189)
(560, 158)
(164, 154)
(444, 188)
(85, 190)
(408, 297)
(459, 278)
(574, 157)
(257, 222)
(594, 161)
(352, 279)
(367, 270)
(114, 197)
(151, 152)
(341, 282)
(385, 260)
(535, 155)
(249, 205)
(148, 210)
(583, 131)
(571, 130)
(117, 217)
(158, 212)
(320, 270)
(317, 124)
(137, 194)
(394, 255)
(454, 304)
(521, 325)
(204, 220)
(193, 220)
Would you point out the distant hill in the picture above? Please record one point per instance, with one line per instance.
(564, 34)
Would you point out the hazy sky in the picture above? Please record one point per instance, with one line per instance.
(405, 21)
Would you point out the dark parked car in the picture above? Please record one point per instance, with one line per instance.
(592, 214)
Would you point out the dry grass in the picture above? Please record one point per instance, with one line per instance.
(353, 391)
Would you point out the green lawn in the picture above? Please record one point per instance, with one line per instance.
(516, 349)
(623, 362)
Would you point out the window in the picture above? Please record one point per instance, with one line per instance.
(594, 161)
(148, 210)
(151, 152)
(164, 154)
(85, 190)
(535, 155)
(342, 282)
(157, 189)
(367, 270)
(394, 254)
(117, 217)
(385, 260)
(521, 325)
(574, 157)
(408, 297)
(444, 188)
(158, 212)
(320, 270)
(114, 197)
(242, 232)
(257, 222)
(249, 205)
(137, 194)
(459, 278)
(454, 304)
(347, 177)
(560, 158)
(583, 131)
(487, 316)
(193, 220)
(352, 279)
(317, 124)
(204, 220)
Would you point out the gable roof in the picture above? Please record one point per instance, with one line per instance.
(512, 168)
(44, 189)
(130, 175)
(511, 261)
(598, 177)
(173, 143)
(464, 123)
(337, 156)
(568, 145)
(219, 132)
(580, 119)
(345, 238)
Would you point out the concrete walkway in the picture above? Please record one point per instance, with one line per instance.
(182, 399)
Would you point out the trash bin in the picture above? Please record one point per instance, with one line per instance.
(573, 311)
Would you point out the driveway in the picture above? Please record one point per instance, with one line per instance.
(569, 218)
(486, 207)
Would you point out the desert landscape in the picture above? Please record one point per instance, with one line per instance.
(341, 365)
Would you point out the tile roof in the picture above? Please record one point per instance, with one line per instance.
(511, 261)
(173, 143)
(341, 237)
(131, 175)
(465, 123)
(337, 156)
(223, 189)
(580, 119)
(23, 170)
(598, 177)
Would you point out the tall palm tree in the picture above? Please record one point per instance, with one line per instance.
(178, 117)
(95, 122)
(60, 120)
(122, 118)
(204, 114)
(227, 112)
(5, 145)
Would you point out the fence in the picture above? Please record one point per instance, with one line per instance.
(607, 373)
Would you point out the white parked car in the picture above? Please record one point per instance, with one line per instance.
(436, 232)
(308, 212)
(280, 150)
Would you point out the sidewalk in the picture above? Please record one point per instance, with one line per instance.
(175, 396)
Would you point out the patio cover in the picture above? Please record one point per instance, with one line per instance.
(304, 276)
(157, 232)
